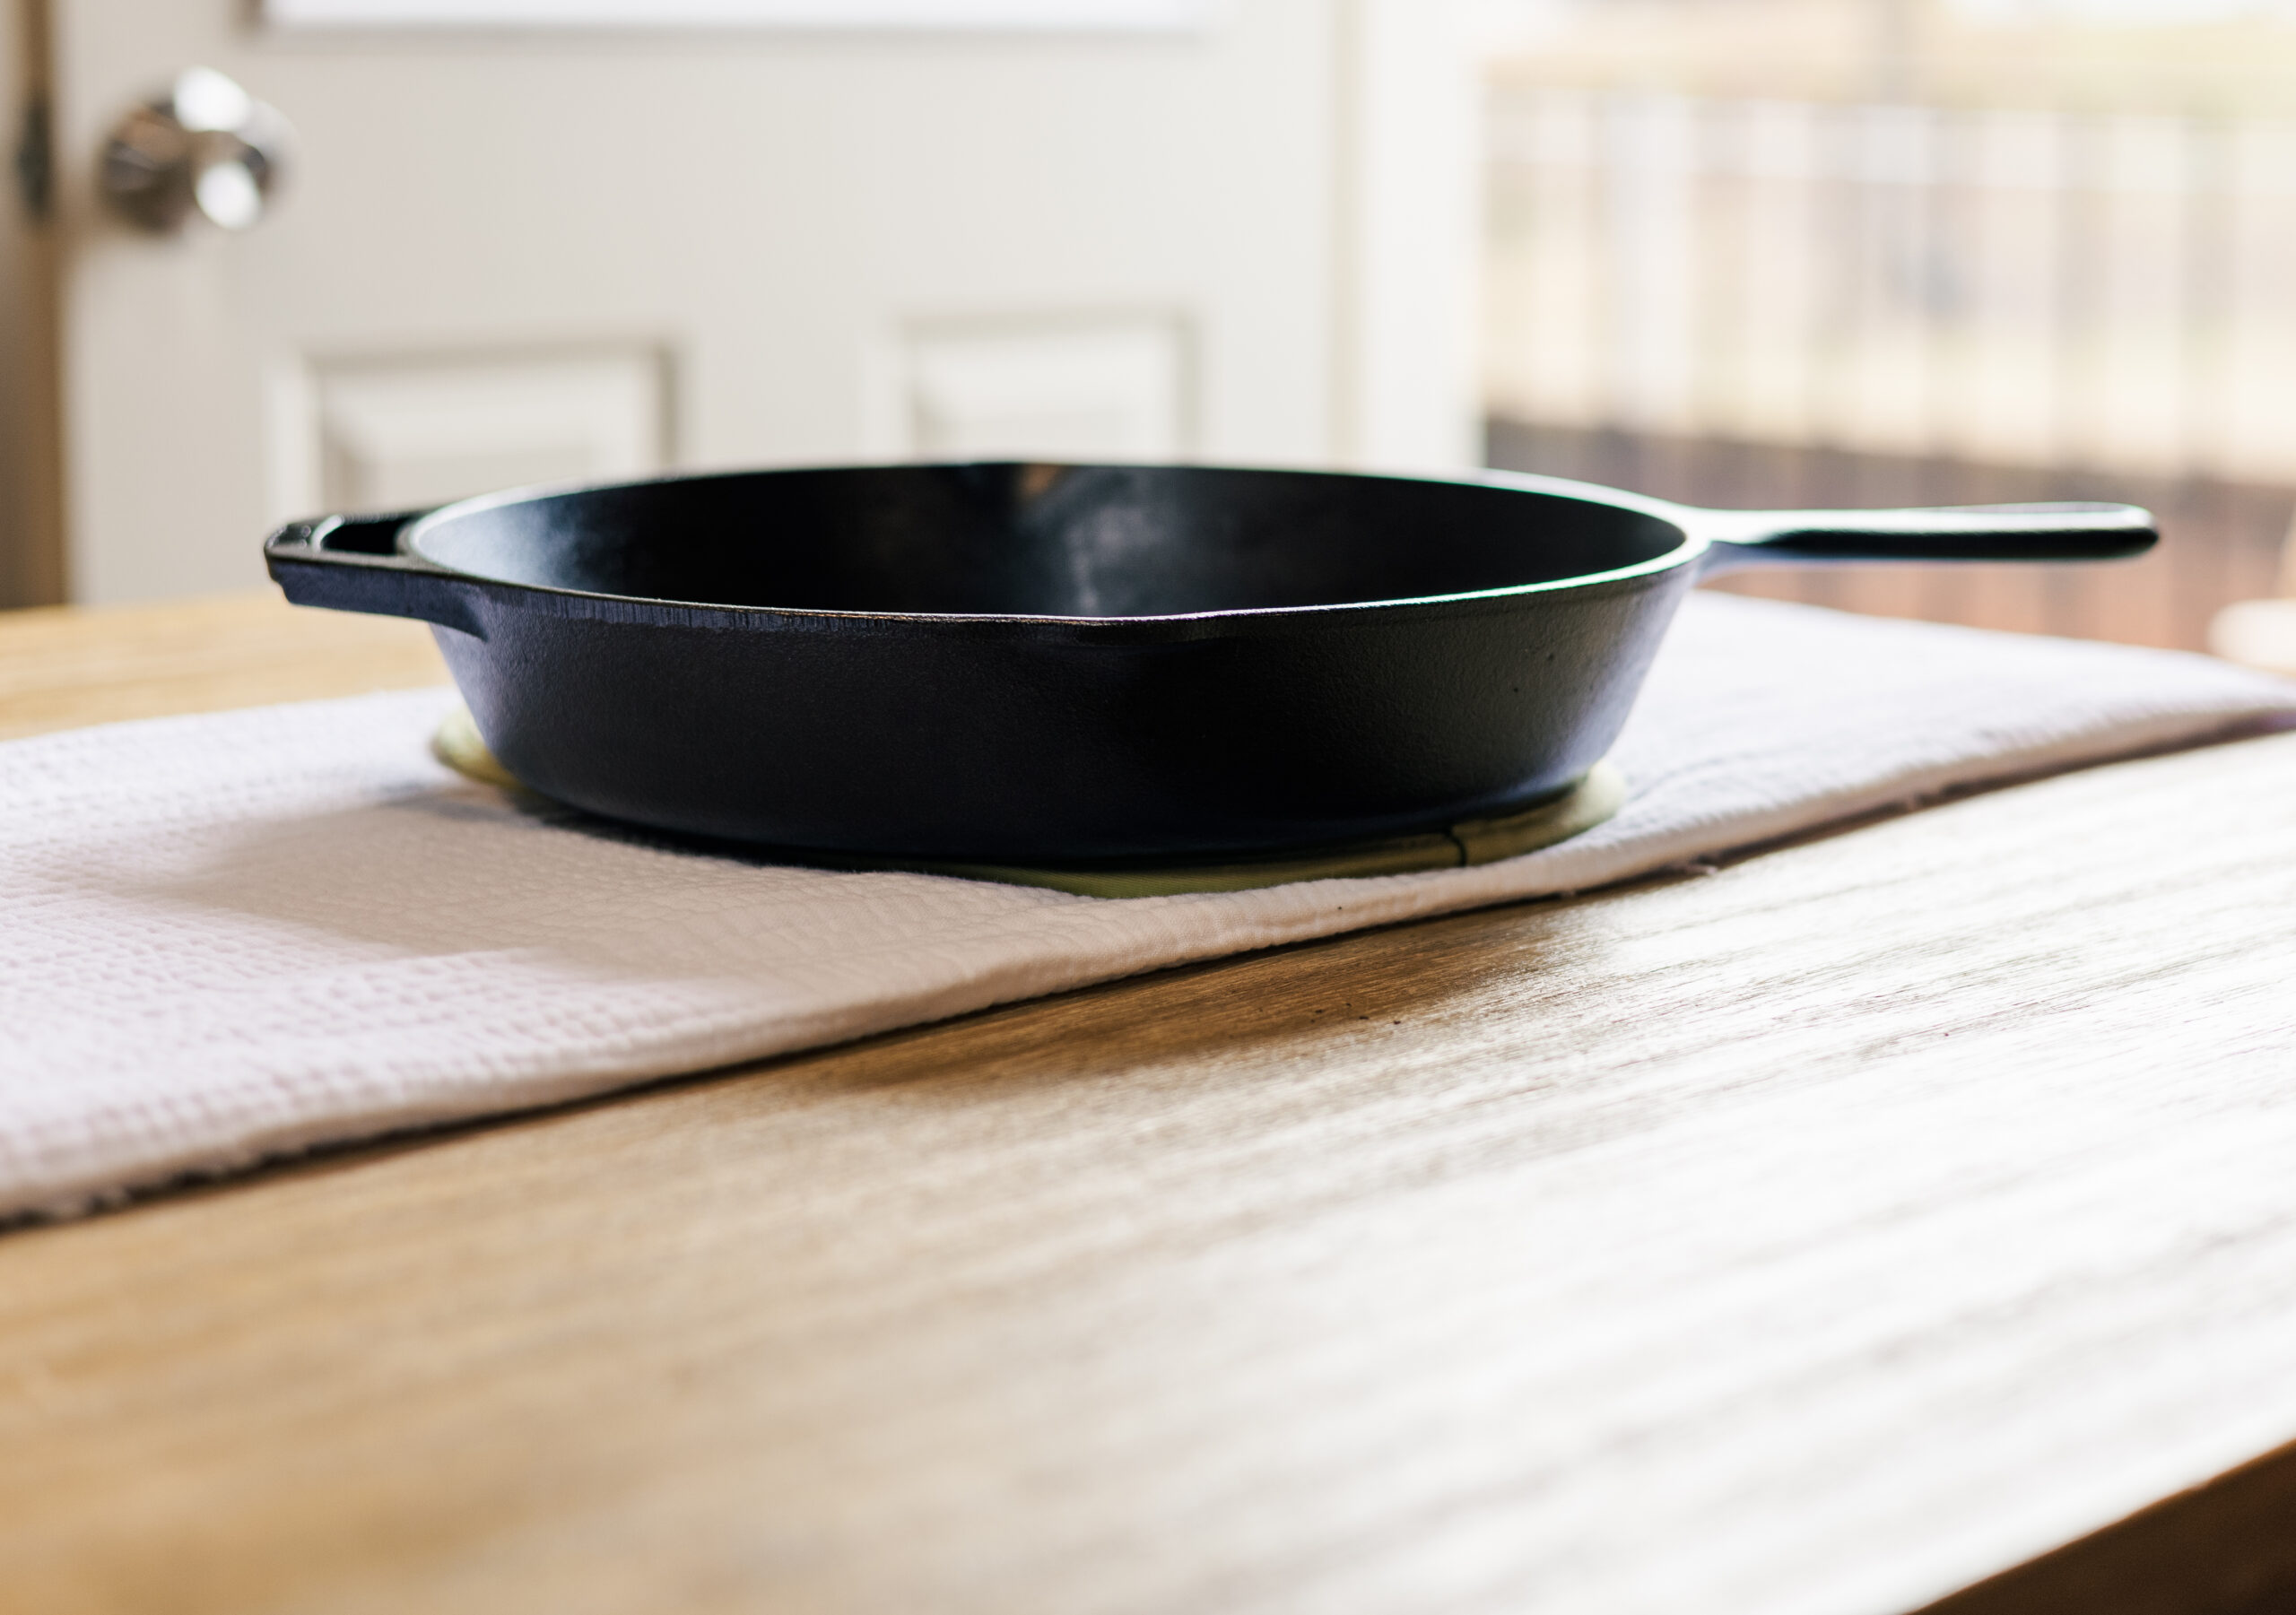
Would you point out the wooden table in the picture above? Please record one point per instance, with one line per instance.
(1857, 1224)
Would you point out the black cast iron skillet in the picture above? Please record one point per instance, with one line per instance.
(1073, 663)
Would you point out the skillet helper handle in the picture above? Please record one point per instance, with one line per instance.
(353, 563)
(2068, 532)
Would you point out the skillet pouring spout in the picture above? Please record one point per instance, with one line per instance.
(1034, 664)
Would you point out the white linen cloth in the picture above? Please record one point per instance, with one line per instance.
(239, 935)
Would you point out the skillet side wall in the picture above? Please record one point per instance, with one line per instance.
(1059, 742)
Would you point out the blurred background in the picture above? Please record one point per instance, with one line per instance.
(1739, 252)
(1852, 252)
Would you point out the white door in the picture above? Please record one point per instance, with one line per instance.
(525, 240)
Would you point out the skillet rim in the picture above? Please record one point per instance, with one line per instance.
(1693, 545)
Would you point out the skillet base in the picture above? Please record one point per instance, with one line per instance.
(1578, 808)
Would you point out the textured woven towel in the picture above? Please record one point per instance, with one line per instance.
(232, 936)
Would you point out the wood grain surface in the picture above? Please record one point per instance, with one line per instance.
(1860, 1222)
(64, 667)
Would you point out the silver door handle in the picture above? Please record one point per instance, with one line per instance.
(205, 146)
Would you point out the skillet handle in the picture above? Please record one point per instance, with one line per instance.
(353, 563)
(2069, 531)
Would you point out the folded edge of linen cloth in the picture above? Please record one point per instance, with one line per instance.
(238, 936)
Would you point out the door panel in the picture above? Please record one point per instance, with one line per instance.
(1112, 388)
(770, 208)
(398, 433)
(781, 221)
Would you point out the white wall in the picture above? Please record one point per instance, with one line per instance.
(1411, 216)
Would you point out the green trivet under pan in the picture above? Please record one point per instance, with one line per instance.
(1579, 808)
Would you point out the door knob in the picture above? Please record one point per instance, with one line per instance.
(205, 146)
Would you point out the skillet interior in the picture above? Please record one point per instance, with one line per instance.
(1032, 540)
